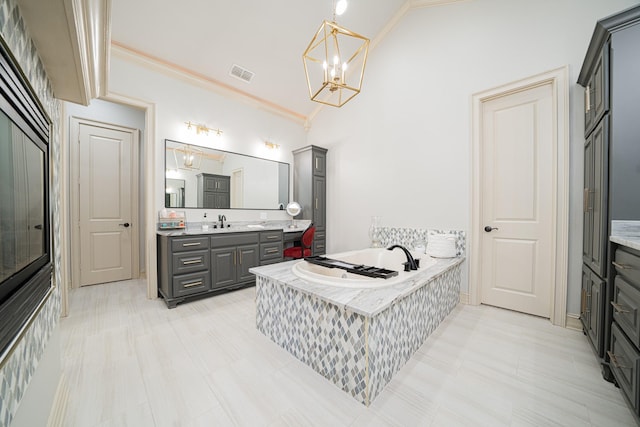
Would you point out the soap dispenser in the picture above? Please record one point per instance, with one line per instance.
(205, 224)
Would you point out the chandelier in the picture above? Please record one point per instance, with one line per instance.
(334, 62)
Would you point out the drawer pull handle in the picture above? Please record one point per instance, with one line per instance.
(614, 360)
(272, 237)
(193, 261)
(622, 266)
(192, 284)
(271, 251)
(619, 308)
(184, 245)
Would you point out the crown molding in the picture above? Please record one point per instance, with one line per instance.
(72, 39)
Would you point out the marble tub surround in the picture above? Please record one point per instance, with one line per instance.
(356, 338)
(626, 233)
(195, 228)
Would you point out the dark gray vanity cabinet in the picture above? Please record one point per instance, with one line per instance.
(195, 266)
(183, 267)
(310, 190)
(232, 255)
(609, 76)
(624, 353)
(271, 247)
(214, 191)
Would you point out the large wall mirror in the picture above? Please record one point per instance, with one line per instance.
(200, 177)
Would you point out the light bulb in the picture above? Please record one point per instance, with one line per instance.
(336, 60)
(341, 6)
(344, 66)
(324, 65)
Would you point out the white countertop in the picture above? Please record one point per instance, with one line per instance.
(626, 233)
(369, 301)
(195, 229)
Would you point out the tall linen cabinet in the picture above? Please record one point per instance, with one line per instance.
(609, 76)
(310, 191)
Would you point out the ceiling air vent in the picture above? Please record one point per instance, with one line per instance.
(241, 73)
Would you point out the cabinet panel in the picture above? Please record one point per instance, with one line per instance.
(179, 244)
(319, 163)
(627, 265)
(271, 236)
(223, 263)
(185, 262)
(592, 308)
(189, 284)
(269, 251)
(626, 301)
(249, 257)
(234, 239)
(319, 195)
(624, 364)
(595, 232)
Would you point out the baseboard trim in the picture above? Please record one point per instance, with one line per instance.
(59, 406)
(573, 322)
(464, 297)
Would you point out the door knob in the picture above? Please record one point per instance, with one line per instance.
(489, 229)
(126, 224)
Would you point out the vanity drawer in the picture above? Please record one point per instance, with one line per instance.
(626, 301)
(188, 284)
(189, 243)
(271, 236)
(628, 265)
(624, 359)
(234, 239)
(186, 262)
(269, 251)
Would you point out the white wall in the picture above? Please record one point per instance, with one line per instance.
(245, 127)
(401, 149)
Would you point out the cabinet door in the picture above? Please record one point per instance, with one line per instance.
(597, 91)
(319, 164)
(223, 266)
(588, 107)
(585, 301)
(595, 228)
(248, 257)
(596, 311)
(319, 200)
(221, 200)
(222, 184)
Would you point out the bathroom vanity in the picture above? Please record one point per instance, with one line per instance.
(194, 264)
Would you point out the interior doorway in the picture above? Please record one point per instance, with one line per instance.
(104, 211)
(520, 196)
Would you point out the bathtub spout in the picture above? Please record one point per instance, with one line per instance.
(411, 264)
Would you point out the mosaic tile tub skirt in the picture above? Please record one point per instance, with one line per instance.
(358, 353)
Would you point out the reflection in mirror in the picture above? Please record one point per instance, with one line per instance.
(174, 194)
(199, 177)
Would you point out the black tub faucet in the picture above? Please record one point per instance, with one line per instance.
(411, 264)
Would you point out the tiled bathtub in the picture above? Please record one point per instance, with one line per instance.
(356, 338)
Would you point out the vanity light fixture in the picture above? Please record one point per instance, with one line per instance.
(332, 51)
(201, 128)
(271, 145)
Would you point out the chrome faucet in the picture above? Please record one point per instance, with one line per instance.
(411, 264)
(222, 219)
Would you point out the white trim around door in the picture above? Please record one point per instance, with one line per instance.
(558, 79)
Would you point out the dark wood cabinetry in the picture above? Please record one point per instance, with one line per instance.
(192, 267)
(310, 190)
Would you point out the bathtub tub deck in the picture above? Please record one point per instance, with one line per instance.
(356, 338)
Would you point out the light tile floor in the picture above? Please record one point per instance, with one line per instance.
(130, 361)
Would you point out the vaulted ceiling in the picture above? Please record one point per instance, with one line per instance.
(266, 37)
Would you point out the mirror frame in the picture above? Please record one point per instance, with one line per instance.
(226, 152)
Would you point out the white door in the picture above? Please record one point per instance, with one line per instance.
(106, 222)
(518, 200)
(237, 188)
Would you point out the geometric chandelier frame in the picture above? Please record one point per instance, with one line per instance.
(334, 64)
